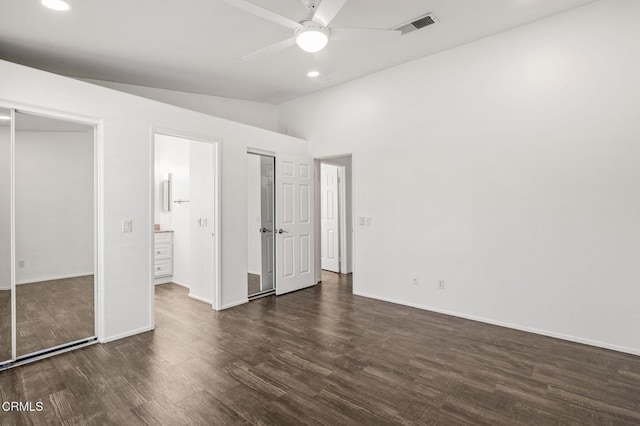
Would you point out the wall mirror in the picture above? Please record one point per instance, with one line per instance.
(5, 235)
(260, 224)
(54, 205)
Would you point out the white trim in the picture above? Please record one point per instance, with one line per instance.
(181, 284)
(507, 325)
(49, 355)
(55, 277)
(12, 177)
(126, 334)
(201, 299)
(263, 152)
(234, 304)
(163, 280)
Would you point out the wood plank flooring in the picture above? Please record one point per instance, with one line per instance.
(51, 313)
(322, 356)
(253, 282)
(5, 325)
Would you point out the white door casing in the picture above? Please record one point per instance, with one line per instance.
(330, 223)
(294, 220)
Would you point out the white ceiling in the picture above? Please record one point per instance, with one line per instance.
(197, 45)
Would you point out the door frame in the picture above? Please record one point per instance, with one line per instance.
(98, 223)
(217, 219)
(344, 253)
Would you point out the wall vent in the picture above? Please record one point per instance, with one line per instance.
(416, 24)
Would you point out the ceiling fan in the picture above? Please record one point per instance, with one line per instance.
(313, 33)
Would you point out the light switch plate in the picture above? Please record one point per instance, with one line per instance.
(127, 225)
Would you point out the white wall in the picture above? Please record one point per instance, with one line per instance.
(256, 114)
(54, 205)
(127, 123)
(172, 156)
(5, 207)
(254, 213)
(509, 168)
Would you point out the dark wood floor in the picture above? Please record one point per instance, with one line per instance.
(51, 313)
(5, 325)
(322, 356)
(253, 281)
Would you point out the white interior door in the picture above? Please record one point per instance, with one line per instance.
(201, 238)
(294, 220)
(330, 231)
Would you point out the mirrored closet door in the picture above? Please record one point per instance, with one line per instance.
(260, 224)
(5, 235)
(54, 220)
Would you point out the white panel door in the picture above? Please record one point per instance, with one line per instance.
(201, 239)
(330, 233)
(294, 220)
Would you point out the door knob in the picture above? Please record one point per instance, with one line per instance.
(264, 230)
(282, 231)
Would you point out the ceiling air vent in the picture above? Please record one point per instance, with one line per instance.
(416, 24)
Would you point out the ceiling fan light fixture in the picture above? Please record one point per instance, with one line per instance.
(56, 4)
(312, 39)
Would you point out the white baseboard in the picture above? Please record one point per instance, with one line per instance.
(553, 334)
(201, 299)
(126, 334)
(181, 284)
(53, 278)
(232, 304)
(163, 280)
(2, 288)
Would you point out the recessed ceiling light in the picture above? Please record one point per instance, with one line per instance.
(313, 74)
(56, 4)
(5, 117)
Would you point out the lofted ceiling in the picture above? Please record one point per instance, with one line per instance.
(197, 45)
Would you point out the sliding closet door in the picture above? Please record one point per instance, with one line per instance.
(54, 233)
(5, 235)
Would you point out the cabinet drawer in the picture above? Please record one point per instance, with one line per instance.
(163, 268)
(163, 251)
(163, 237)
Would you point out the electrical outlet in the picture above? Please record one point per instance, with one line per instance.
(441, 285)
(414, 280)
(20, 263)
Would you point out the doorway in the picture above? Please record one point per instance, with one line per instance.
(260, 225)
(334, 207)
(185, 217)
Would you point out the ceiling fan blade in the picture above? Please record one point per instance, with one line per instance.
(364, 35)
(328, 10)
(276, 47)
(264, 13)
